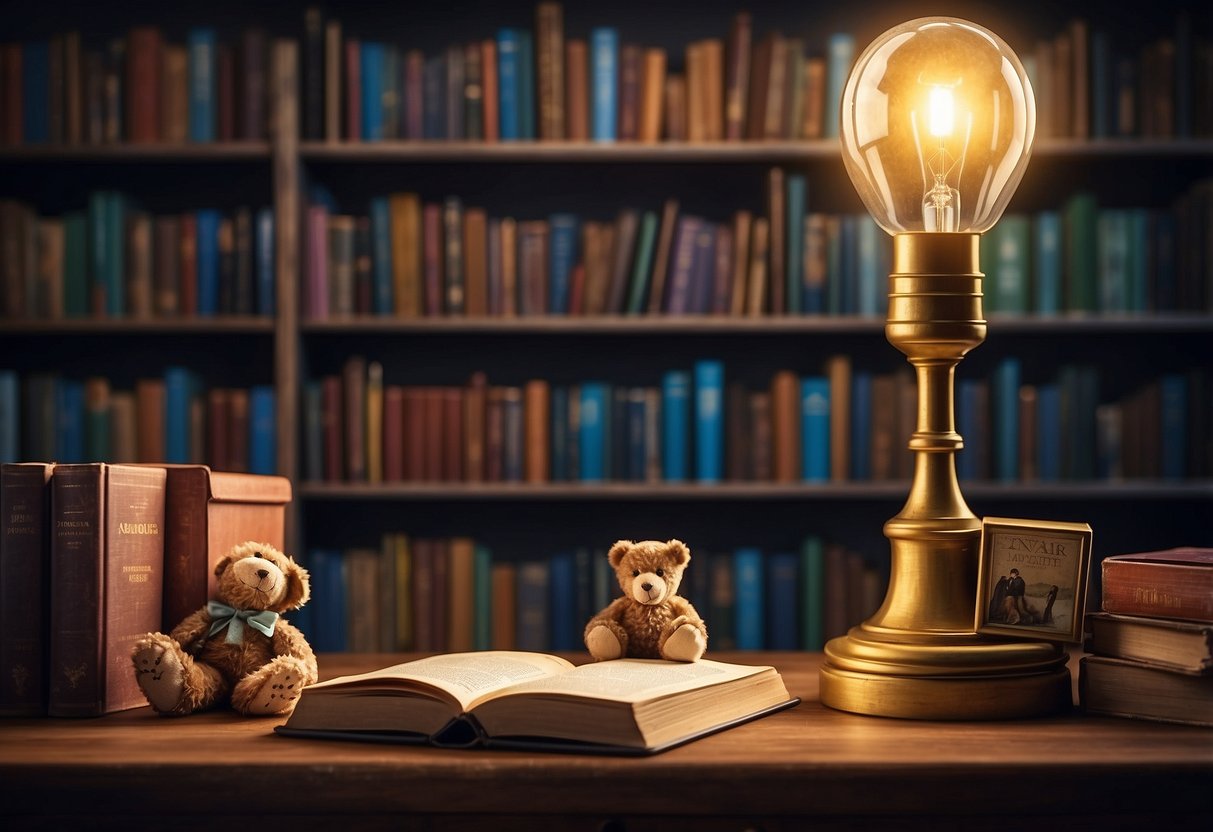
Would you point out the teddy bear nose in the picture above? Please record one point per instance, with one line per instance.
(261, 573)
(646, 587)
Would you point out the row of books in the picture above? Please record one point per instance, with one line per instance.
(138, 88)
(455, 594)
(115, 260)
(844, 424)
(527, 84)
(93, 556)
(409, 258)
(171, 418)
(1152, 643)
(1089, 86)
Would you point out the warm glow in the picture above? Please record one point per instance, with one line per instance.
(942, 108)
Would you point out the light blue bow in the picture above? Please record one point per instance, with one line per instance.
(262, 621)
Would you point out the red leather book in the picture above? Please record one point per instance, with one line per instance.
(354, 410)
(414, 434)
(432, 461)
(143, 76)
(187, 286)
(353, 90)
(452, 434)
(491, 96)
(393, 433)
(1174, 583)
(475, 402)
(434, 252)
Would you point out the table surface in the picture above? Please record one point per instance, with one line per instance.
(808, 763)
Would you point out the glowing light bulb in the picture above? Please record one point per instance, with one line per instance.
(937, 124)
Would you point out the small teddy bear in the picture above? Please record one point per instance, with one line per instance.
(235, 650)
(650, 621)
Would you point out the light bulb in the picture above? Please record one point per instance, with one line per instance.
(936, 125)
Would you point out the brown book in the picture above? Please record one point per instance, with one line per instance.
(838, 370)
(722, 271)
(333, 59)
(756, 281)
(51, 245)
(432, 300)
(405, 217)
(166, 259)
(713, 89)
(627, 227)
(217, 419)
(107, 561)
(149, 400)
(440, 580)
(187, 271)
(1140, 691)
(737, 77)
(652, 86)
(398, 553)
(778, 215)
(475, 401)
(549, 60)
(676, 108)
(813, 111)
(98, 409)
(537, 419)
(143, 76)
(785, 426)
(461, 604)
(330, 427)
(475, 262)
(1185, 646)
(696, 75)
(238, 430)
(1175, 583)
(742, 224)
(374, 422)
(793, 99)
(504, 606)
(253, 89)
(362, 599)
(123, 427)
(631, 60)
(532, 267)
(225, 93)
(762, 437)
(491, 97)
(353, 90)
(414, 95)
(509, 267)
(353, 388)
(1080, 110)
(206, 514)
(1028, 471)
(25, 510)
(760, 80)
(174, 94)
(423, 595)
(12, 129)
(139, 264)
(577, 90)
(432, 415)
(452, 434)
(739, 434)
(73, 90)
(393, 433)
(414, 434)
(661, 256)
(597, 271)
(884, 427)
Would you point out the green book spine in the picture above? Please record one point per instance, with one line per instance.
(1081, 218)
(644, 263)
(1014, 255)
(812, 593)
(115, 255)
(482, 598)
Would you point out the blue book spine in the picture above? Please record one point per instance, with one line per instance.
(115, 254)
(263, 435)
(636, 448)
(1006, 420)
(561, 259)
(848, 263)
(559, 433)
(179, 389)
(1048, 251)
(841, 54)
(815, 428)
(604, 83)
(69, 421)
(867, 245)
(861, 426)
(383, 298)
(748, 601)
(507, 82)
(1174, 426)
(526, 84)
(202, 82)
(967, 460)
(797, 196)
(595, 405)
(1112, 229)
(329, 615)
(781, 601)
(531, 630)
(1048, 432)
(10, 417)
(675, 425)
(264, 245)
(434, 92)
(562, 604)
(371, 58)
(36, 92)
(709, 421)
(208, 261)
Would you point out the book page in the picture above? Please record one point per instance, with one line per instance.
(462, 677)
(636, 680)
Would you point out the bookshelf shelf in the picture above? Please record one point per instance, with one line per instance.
(662, 326)
(152, 326)
(826, 492)
(250, 151)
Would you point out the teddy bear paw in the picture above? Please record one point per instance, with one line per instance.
(686, 644)
(278, 692)
(603, 644)
(159, 672)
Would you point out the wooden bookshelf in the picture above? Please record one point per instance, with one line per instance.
(250, 151)
(87, 327)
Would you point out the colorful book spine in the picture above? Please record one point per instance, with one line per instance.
(709, 421)
(1006, 420)
(263, 433)
(840, 56)
(507, 81)
(180, 386)
(815, 428)
(812, 593)
(796, 204)
(781, 601)
(266, 295)
(676, 424)
(749, 611)
(604, 84)
(202, 84)
(69, 421)
(1048, 432)
(371, 57)
(526, 85)
(562, 611)
(1048, 254)
(861, 426)
(594, 410)
(208, 262)
(562, 257)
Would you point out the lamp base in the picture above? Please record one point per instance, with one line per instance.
(955, 676)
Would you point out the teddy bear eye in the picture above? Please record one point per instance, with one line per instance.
(635, 573)
(660, 572)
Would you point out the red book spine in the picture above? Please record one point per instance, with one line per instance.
(452, 434)
(217, 420)
(187, 297)
(433, 252)
(1152, 588)
(393, 433)
(330, 421)
(353, 90)
(143, 69)
(433, 470)
(490, 96)
(414, 434)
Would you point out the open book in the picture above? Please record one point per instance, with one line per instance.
(532, 700)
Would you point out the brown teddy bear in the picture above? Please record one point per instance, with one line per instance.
(235, 650)
(650, 621)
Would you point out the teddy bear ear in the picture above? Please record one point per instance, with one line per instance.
(618, 550)
(223, 564)
(678, 551)
(298, 586)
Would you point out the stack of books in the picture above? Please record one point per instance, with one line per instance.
(1153, 641)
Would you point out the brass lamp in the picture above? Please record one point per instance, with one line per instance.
(937, 124)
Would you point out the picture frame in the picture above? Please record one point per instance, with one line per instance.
(1032, 578)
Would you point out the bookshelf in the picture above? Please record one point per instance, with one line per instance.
(533, 179)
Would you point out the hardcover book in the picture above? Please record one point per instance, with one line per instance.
(1178, 645)
(1139, 691)
(1175, 583)
(539, 702)
(24, 570)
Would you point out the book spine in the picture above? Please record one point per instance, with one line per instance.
(1006, 420)
(179, 388)
(452, 223)
(1163, 590)
(526, 85)
(371, 69)
(186, 565)
(604, 68)
(782, 575)
(749, 600)
(676, 422)
(533, 598)
(508, 60)
(812, 593)
(35, 93)
(381, 257)
(709, 421)
(202, 85)
(25, 507)
(562, 258)
(565, 632)
(594, 430)
(815, 428)
(841, 51)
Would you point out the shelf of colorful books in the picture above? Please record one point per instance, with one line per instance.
(741, 491)
(138, 153)
(202, 326)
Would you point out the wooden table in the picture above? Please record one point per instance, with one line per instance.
(807, 767)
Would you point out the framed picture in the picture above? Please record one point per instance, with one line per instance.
(1032, 578)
